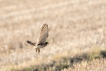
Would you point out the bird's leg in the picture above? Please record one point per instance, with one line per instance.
(38, 50)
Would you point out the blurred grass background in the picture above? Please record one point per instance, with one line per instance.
(76, 27)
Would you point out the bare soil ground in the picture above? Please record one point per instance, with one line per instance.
(75, 27)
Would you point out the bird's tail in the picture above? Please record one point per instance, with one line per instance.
(31, 43)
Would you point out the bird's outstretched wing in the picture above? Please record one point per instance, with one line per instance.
(31, 43)
(43, 34)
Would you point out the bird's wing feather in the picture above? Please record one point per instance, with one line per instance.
(43, 34)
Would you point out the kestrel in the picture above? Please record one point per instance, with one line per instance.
(41, 41)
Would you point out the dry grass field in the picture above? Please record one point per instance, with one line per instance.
(77, 35)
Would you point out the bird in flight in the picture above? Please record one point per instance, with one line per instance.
(41, 41)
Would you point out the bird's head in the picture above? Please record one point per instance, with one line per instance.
(47, 43)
